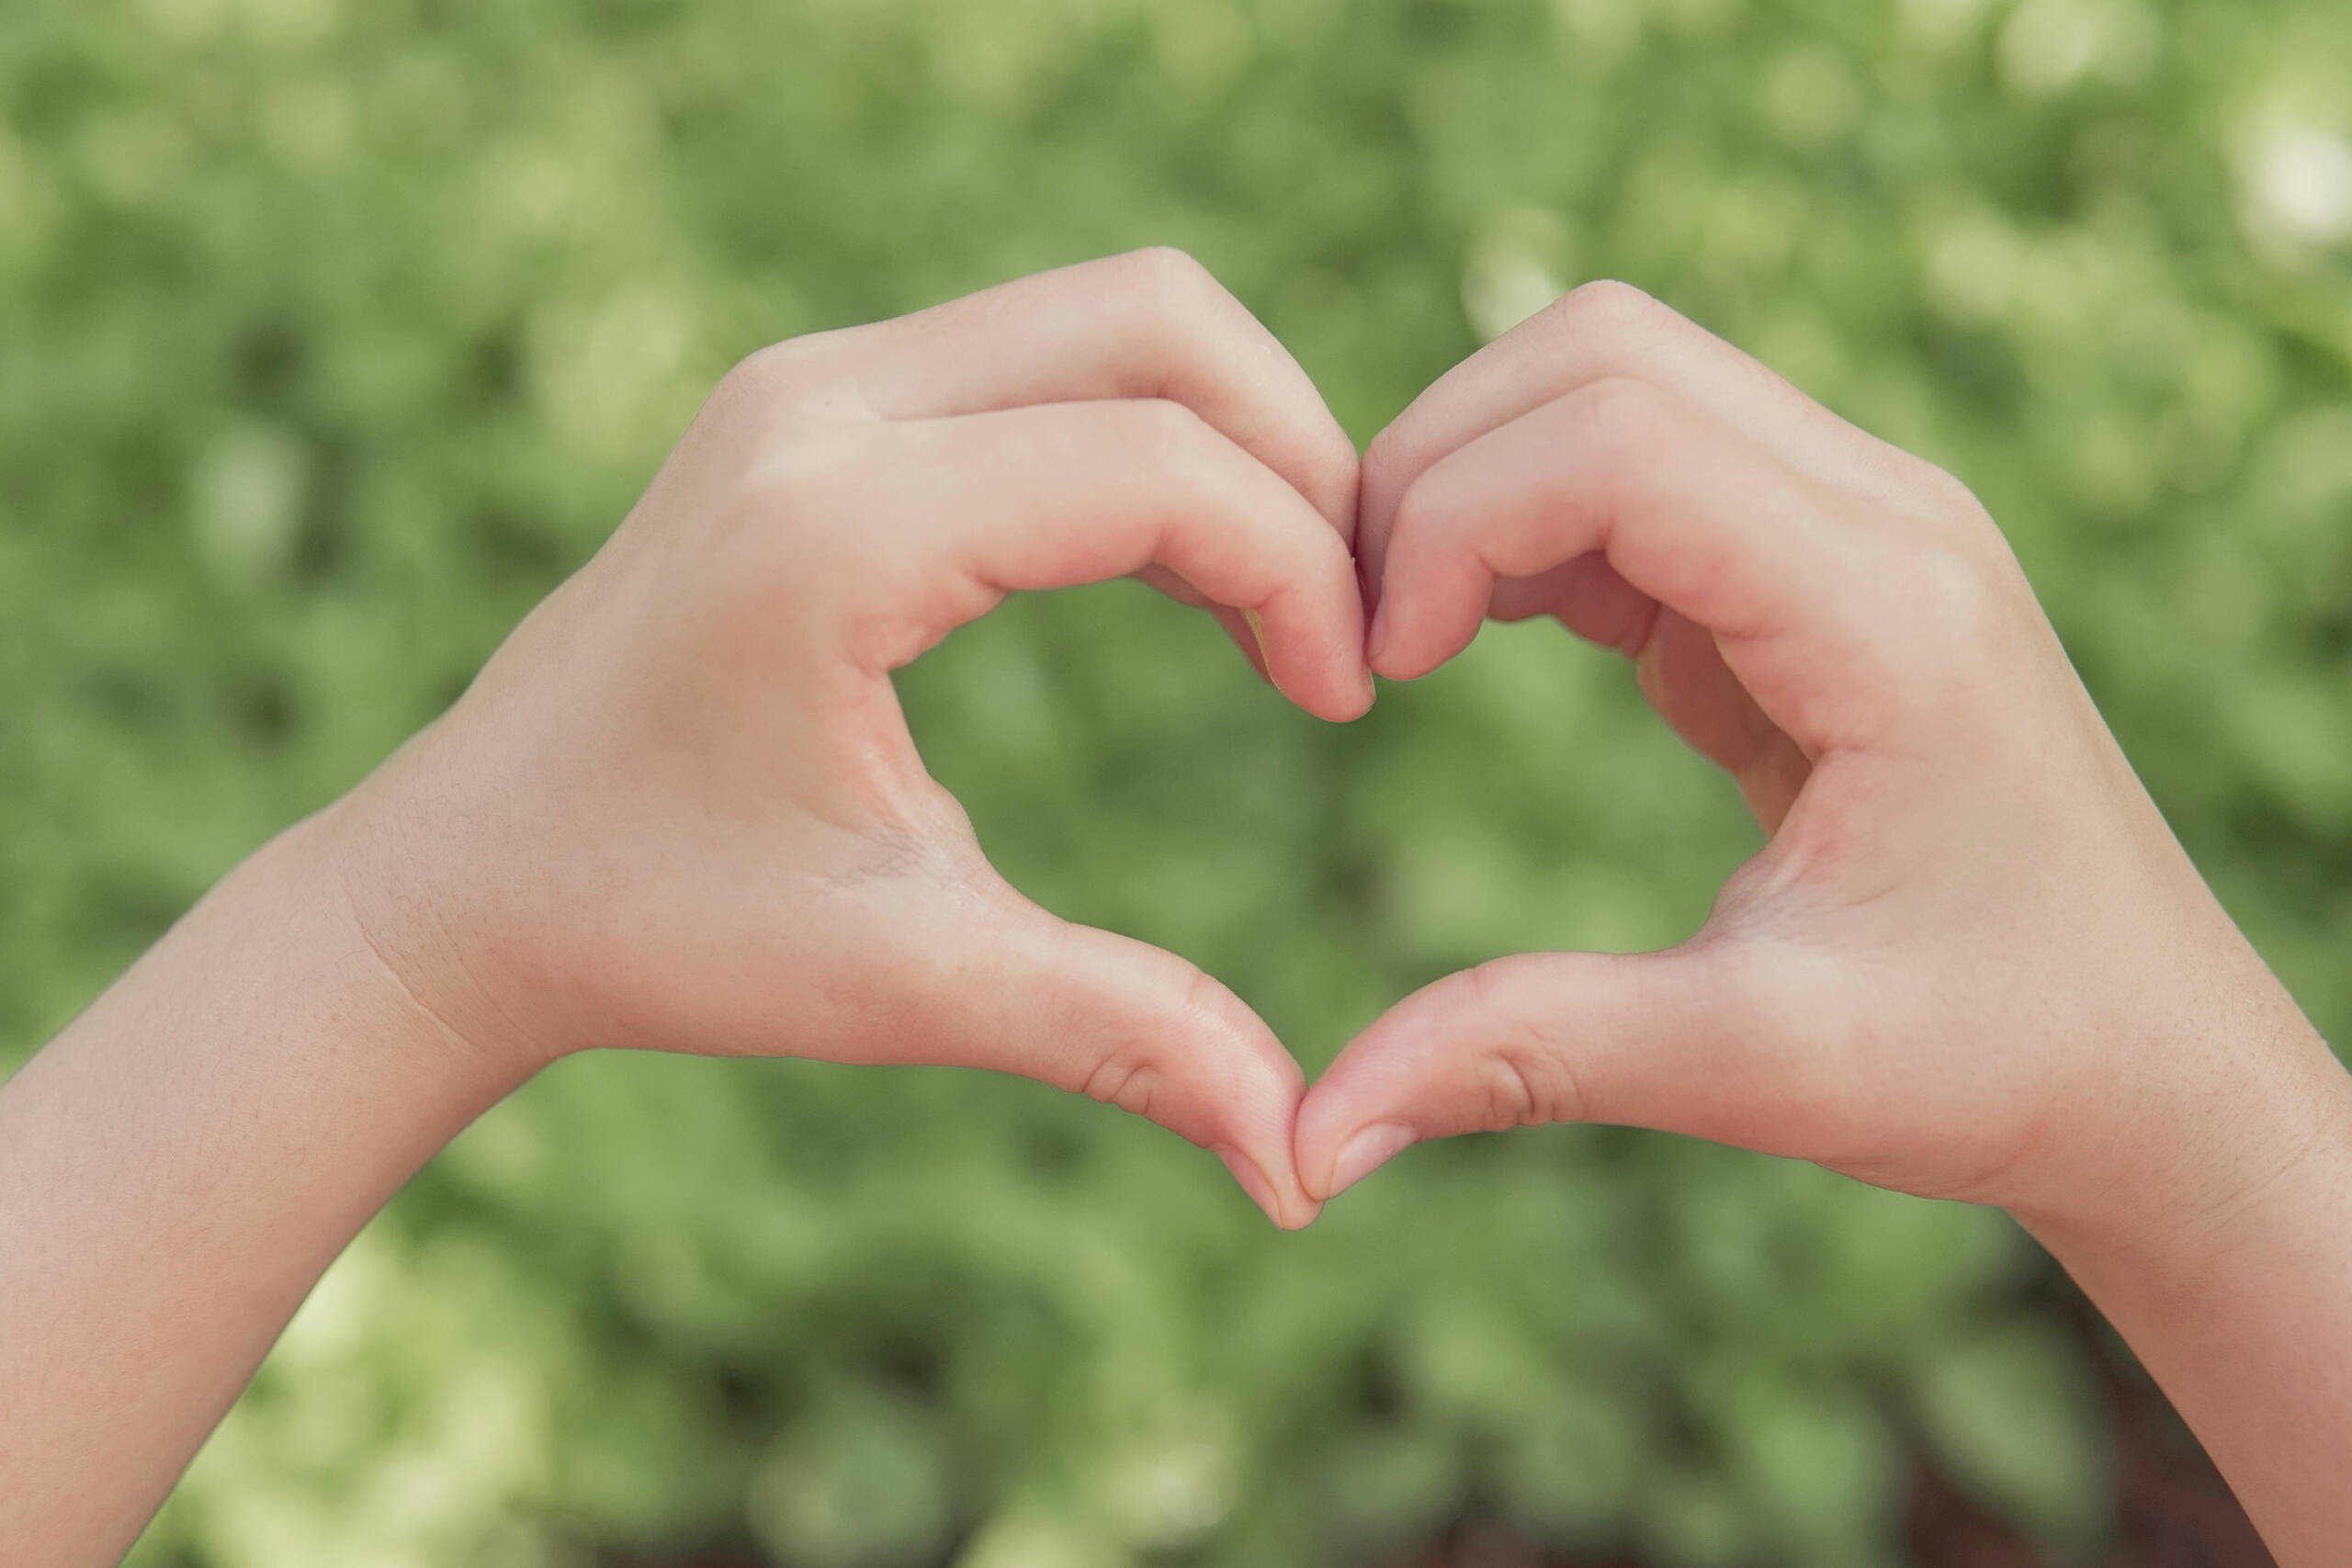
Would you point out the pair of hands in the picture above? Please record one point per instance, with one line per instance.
(681, 808)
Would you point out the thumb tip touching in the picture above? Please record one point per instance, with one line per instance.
(1348, 691)
(1140, 1028)
(1336, 687)
(1647, 1040)
(1287, 1204)
(1357, 1155)
(1346, 1130)
(1373, 1101)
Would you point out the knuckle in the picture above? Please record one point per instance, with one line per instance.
(1525, 1085)
(1392, 459)
(1947, 496)
(1161, 433)
(782, 530)
(1125, 1081)
(1512, 1090)
(1607, 308)
(754, 373)
(1623, 417)
(1525, 1080)
(1955, 591)
(1167, 297)
(1166, 276)
(779, 370)
(1419, 514)
(796, 480)
(1926, 494)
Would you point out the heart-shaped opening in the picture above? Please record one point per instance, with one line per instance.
(1122, 768)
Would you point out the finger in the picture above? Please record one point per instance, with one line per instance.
(1049, 497)
(1608, 331)
(1236, 625)
(1588, 596)
(1681, 670)
(1150, 325)
(1692, 515)
(1016, 989)
(1652, 1040)
(1683, 675)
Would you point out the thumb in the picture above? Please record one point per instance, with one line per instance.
(1648, 1039)
(1136, 1026)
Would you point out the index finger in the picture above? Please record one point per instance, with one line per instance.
(1026, 499)
(1149, 324)
(1810, 607)
(1609, 330)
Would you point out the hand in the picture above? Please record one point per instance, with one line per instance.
(1972, 961)
(680, 808)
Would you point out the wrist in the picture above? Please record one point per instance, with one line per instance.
(183, 1161)
(2236, 1304)
(2266, 1127)
(390, 861)
(305, 885)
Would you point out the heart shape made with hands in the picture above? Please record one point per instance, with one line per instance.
(1506, 491)
(1816, 612)
(681, 806)
(1838, 625)
(1499, 494)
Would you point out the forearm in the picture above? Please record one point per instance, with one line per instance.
(2243, 1316)
(176, 1170)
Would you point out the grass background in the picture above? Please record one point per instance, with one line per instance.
(331, 335)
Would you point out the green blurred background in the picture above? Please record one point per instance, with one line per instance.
(333, 334)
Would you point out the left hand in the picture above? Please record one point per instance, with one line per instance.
(680, 806)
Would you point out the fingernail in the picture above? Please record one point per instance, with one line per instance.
(1378, 637)
(1257, 635)
(1253, 1180)
(1371, 1148)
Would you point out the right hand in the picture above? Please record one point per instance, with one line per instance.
(680, 808)
(1972, 961)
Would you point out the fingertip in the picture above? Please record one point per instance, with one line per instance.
(1321, 671)
(1340, 699)
(1382, 1094)
(1234, 1091)
(1254, 646)
(1399, 663)
(1252, 1179)
(1364, 1151)
(1358, 701)
(1290, 1210)
(1412, 635)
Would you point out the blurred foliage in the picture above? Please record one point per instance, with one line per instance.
(331, 335)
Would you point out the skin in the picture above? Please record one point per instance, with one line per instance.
(1972, 961)
(680, 809)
